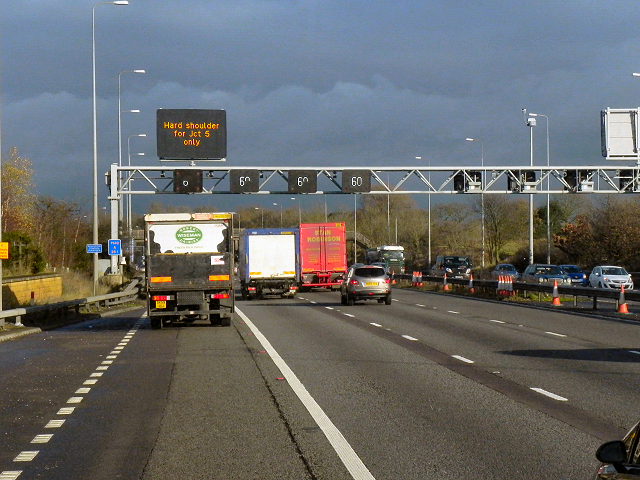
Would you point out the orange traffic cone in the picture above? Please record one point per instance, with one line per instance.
(445, 287)
(622, 304)
(510, 285)
(471, 289)
(414, 279)
(556, 298)
(420, 278)
(501, 289)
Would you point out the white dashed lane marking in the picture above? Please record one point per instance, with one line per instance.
(462, 359)
(549, 394)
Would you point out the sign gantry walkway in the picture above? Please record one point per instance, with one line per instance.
(207, 180)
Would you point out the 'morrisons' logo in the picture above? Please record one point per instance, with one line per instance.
(189, 235)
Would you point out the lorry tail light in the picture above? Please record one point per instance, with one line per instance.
(161, 297)
(160, 279)
(293, 288)
(217, 278)
(221, 295)
(251, 289)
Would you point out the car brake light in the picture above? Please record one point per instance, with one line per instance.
(354, 282)
(387, 280)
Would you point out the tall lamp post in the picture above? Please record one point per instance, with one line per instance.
(482, 194)
(548, 186)
(261, 216)
(129, 202)
(429, 217)
(299, 210)
(120, 112)
(530, 122)
(95, 135)
(276, 204)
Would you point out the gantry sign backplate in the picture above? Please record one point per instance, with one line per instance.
(374, 180)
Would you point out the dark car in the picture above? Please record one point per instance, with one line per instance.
(620, 458)
(544, 273)
(505, 270)
(576, 275)
(365, 282)
(454, 266)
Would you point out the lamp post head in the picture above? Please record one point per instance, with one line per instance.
(470, 139)
(121, 2)
(139, 71)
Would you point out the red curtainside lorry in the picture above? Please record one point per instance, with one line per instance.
(323, 255)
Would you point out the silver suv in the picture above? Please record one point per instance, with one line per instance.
(365, 282)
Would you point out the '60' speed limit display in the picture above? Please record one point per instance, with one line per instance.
(303, 181)
(356, 181)
(244, 181)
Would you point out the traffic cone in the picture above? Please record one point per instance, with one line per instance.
(420, 279)
(393, 278)
(500, 285)
(510, 285)
(622, 304)
(445, 287)
(414, 279)
(471, 289)
(556, 298)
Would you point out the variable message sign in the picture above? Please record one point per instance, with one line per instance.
(191, 134)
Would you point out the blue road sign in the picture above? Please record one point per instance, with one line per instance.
(114, 247)
(94, 248)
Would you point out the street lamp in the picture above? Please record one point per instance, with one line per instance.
(95, 135)
(276, 204)
(261, 216)
(429, 217)
(129, 202)
(299, 210)
(530, 122)
(482, 194)
(120, 111)
(548, 187)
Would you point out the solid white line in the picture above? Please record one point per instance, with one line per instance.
(410, 338)
(462, 359)
(349, 458)
(549, 394)
(556, 334)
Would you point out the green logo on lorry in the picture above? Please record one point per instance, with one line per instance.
(189, 235)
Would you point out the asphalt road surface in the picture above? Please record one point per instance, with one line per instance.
(432, 386)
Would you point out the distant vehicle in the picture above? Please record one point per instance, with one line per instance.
(392, 256)
(505, 269)
(365, 282)
(620, 458)
(323, 255)
(577, 276)
(545, 273)
(609, 276)
(454, 266)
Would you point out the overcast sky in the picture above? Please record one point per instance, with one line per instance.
(316, 83)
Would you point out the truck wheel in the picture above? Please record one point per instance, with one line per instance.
(215, 319)
(225, 321)
(156, 323)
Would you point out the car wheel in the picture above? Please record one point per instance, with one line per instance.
(350, 301)
(387, 300)
(600, 285)
(343, 299)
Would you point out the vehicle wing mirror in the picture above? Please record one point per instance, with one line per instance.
(615, 453)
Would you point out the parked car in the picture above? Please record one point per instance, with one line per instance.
(545, 273)
(505, 269)
(365, 282)
(609, 276)
(454, 266)
(577, 276)
(620, 458)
